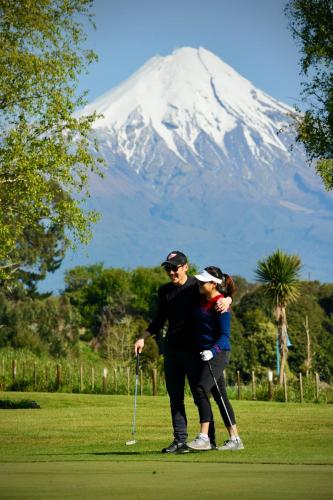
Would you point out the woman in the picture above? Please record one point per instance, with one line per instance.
(213, 336)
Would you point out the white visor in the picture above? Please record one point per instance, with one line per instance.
(206, 277)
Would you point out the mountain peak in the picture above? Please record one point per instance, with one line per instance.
(185, 94)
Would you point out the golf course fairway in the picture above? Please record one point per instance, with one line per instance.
(74, 447)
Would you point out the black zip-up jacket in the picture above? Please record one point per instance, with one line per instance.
(176, 304)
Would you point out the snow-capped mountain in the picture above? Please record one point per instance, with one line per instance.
(196, 162)
(197, 110)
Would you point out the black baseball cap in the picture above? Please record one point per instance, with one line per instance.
(175, 258)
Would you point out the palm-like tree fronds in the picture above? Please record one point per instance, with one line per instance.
(279, 274)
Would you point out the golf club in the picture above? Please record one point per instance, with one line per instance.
(132, 441)
(218, 390)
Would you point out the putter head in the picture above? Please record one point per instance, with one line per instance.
(129, 443)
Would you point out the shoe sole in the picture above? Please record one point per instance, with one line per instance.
(176, 451)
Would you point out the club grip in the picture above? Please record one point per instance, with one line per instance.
(137, 364)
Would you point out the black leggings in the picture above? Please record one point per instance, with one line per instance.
(177, 366)
(206, 385)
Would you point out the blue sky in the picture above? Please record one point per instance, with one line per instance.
(250, 35)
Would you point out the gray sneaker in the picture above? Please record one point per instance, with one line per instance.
(230, 445)
(199, 444)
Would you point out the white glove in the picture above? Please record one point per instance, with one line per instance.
(206, 355)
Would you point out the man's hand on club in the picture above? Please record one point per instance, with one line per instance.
(206, 355)
(138, 346)
(222, 305)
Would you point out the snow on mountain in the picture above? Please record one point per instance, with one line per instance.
(183, 97)
(196, 162)
(185, 93)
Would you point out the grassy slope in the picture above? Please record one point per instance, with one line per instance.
(289, 451)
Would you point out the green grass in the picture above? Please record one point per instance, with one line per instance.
(74, 447)
(164, 481)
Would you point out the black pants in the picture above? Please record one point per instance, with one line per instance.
(177, 366)
(206, 386)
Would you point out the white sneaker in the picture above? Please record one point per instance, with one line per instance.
(231, 445)
(199, 444)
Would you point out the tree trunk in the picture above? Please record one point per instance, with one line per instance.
(282, 333)
(308, 361)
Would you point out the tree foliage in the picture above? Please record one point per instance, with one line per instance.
(107, 309)
(311, 23)
(45, 326)
(45, 150)
(279, 275)
(116, 306)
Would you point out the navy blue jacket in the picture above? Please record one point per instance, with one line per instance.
(213, 328)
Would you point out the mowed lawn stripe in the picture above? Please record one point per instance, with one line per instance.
(161, 481)
(72, 427)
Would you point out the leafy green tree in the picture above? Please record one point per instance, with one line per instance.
(323, 359)
(279, 274)
(310, 308)
(5, 330)
(44, 326)
(325, 293)
(260, 335)
(145, 283)
(242, 287)
(311, 23)
(39, 249)
(306, 314)
(46, 152)
(238, 359)
(255, 298)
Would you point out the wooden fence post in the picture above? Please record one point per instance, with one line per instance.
(115, 373)
(317, 383)
(35, 375)
(141, 382)
(69, 379)
(270, 385)
(105, 374)
(81, 379)
(285, 387)
(238, 385)
(254, 397)
(92, 379)
(47, 377)
(154, 381)
(128, 380)
(14, 370)
(58, 376)
(300, 387)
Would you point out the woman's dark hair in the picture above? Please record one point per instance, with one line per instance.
(227, 287)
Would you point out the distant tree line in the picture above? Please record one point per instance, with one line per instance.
(106, 309)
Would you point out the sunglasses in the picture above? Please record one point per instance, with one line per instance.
(172, 268)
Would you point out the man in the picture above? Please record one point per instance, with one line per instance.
(177, 301)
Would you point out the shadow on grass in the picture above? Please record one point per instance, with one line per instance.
(125, 453)
(105, 453)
